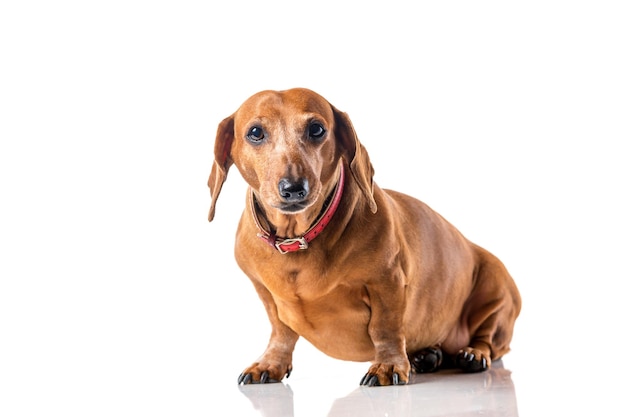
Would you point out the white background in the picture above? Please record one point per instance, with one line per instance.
(117, 297)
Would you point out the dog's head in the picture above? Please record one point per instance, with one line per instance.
(287, 146)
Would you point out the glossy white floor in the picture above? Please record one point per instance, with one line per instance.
(546, 374)
(118, 298)
(511, 388)
(445, 393)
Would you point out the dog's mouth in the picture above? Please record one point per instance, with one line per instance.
(292, 208)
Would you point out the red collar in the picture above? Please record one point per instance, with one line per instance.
(285, 245)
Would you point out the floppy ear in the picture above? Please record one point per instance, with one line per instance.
(222, 160)
(356, 155)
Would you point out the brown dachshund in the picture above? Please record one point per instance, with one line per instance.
(364, 274)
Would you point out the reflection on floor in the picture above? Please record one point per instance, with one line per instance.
(443, 393)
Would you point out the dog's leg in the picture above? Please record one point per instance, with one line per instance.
(391, 365)
(490, 340)
(493, 306)
(275, 363)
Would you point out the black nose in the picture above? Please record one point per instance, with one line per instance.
(293, 191)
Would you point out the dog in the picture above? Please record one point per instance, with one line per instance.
(363, 273)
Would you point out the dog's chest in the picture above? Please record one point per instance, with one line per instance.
(324, 309)
(294, 282)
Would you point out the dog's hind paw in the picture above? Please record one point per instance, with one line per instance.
(426, 360)
(471, 360)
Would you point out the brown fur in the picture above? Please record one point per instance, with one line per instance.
(388, 281)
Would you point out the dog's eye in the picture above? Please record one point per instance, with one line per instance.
(255, 134)
(316, 131)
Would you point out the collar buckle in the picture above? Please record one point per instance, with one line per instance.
(291, 245)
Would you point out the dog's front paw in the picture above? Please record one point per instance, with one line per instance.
(385, 374)
(263, 374)
(472, 360)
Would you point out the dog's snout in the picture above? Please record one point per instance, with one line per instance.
(293, 191)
